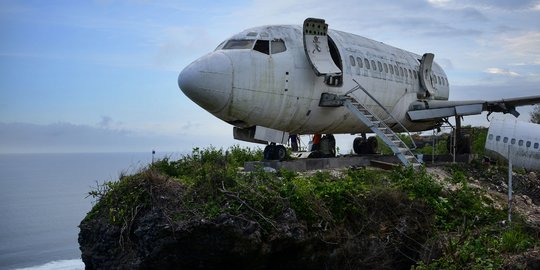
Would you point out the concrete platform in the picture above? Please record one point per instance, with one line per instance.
(309, 164)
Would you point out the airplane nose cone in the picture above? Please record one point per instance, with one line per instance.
(208, 81)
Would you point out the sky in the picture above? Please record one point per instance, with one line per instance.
(101, 76)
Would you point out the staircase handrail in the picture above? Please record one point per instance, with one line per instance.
(385, 110)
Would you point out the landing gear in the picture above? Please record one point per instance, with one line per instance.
(328, 146)
(363, 146)
(275, 152)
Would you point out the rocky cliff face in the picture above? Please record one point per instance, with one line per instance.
(162, 234)
(201, 213)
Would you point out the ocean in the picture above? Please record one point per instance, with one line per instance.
(43, 198)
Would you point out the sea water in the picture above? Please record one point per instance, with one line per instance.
(44, 197)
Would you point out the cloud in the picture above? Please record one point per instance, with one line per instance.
(105, 122)
(72, 138)
(501, 72)
(526, 45)
(439, 3)
(485, 4)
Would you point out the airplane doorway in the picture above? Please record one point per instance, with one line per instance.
(322, 52)
(335, 80)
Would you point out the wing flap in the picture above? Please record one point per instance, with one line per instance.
(434, 109)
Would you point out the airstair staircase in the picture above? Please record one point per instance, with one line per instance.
(374, 122)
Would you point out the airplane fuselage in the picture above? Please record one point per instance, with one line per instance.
(515, 139)
(262, 77)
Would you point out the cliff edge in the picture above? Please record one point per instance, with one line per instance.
(201, 212)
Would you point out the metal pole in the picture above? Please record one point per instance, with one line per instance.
(433, 150)
(509, 186)
(454, 146)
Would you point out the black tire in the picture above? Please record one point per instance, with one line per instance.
(268, 153)
(281, 152)
(357, 145)
(331, 141)
(372, 145)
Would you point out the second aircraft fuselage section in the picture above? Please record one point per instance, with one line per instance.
(262, 77)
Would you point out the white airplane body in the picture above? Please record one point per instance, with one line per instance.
(272, 81)
(515, 139)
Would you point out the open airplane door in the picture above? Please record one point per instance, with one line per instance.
(425, 73)
(317, 48)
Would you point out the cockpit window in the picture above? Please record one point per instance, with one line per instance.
(278, 46)
(238, 44)
(262, 46)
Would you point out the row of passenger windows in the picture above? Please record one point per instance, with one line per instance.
(393, 69)
(513, 141)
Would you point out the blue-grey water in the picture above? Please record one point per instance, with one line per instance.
(43, 198)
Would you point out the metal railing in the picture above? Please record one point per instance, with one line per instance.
(358, 86)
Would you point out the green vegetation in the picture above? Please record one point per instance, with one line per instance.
(535, 114)
(463, 224)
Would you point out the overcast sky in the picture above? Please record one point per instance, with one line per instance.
(101, 76)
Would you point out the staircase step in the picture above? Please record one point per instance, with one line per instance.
(400, 149)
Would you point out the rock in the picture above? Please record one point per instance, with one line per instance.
(529, 260)
(158, 237)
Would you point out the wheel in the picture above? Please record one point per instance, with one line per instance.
(332, 144)
(268, 153)
(357, 145)
(280, 152)
(372, 145)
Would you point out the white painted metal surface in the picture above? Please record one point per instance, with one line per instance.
(262, 77)
(520, 140)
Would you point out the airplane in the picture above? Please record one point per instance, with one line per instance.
(516, 139)
(273, 81)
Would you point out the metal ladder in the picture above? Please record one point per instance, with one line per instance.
(389, 137)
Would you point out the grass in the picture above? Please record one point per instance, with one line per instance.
(462, 224)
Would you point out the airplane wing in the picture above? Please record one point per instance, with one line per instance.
(433, 109)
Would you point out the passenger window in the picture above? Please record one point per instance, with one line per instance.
(505, 140)
(520, 143)
(238, 44)
(401, 71)
(351, 58)
(380, 65)
(359, 60)
(373, 65)
(498, 138)
(385, 68)
(278, 46)
(366, 62)
(490, 137)
(262, 46)
(391, 69)
(535, 145)
(410, 74)
(528, 144)
(396, 70)
(513, 141)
